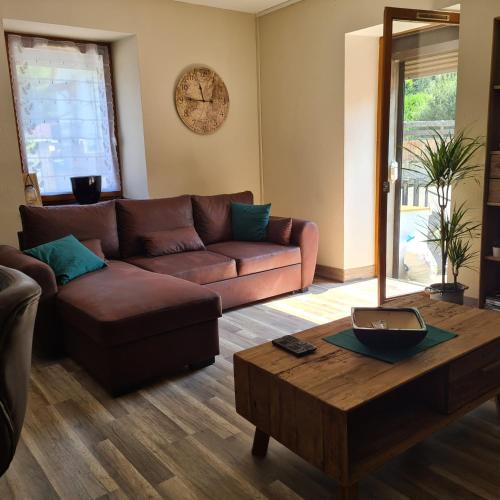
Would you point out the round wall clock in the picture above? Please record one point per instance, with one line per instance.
(202, 100)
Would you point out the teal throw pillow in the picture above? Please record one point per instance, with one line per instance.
(249, 222)
(67, 257)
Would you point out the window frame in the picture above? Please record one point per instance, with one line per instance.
(68, 198)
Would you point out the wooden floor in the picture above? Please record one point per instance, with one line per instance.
(181, 438)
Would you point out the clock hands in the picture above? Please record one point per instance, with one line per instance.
(212, 87)
(201, 92)
(202, 95)
(197, 100)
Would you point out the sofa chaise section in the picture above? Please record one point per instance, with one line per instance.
(45, 224)
(126, 325)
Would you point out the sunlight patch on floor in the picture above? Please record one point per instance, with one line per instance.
(324, 304)
(396, 288)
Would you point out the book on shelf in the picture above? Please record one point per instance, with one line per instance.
(492, 307)
(493, 302)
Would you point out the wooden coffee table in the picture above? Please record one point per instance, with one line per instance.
(348, 414)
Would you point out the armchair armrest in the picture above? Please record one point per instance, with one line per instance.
(305, 234)
(35, 269)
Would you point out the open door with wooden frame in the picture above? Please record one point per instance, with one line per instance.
(417, 97)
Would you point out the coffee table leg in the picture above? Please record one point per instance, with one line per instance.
(349, 492)
(260, 443)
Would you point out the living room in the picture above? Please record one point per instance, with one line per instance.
(241, 197)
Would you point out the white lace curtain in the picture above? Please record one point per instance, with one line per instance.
(64, 107)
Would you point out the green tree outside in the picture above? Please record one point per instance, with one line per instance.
(431, 98)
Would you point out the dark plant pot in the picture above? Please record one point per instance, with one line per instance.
(450, 293)
(86, 189)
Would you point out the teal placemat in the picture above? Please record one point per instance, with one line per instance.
(348, 340)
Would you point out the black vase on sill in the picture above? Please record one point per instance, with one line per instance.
(86, 189)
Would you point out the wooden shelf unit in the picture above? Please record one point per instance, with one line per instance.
(492, 259)
(490, 270)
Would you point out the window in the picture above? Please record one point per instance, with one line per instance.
(65, 113)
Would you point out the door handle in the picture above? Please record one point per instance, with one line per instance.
(386, 187)
(394, 171)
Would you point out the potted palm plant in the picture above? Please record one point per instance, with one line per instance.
(446, 161)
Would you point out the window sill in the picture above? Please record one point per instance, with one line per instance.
(69, 199)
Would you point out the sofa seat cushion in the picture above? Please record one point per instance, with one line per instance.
(122, 303)
(200, 266)
(256, 256)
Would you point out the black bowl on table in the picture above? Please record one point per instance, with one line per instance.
(388, 327)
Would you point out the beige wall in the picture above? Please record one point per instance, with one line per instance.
(302, 50)
(128, 101)
(11, 185)
(303, 130)
(360, 149)
(169, 36)
(476, 35)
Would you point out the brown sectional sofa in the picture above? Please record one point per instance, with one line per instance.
(142, 317)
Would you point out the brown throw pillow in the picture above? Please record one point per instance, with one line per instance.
(279, 230)
(94, 246)
(181, 239)
(139, 217)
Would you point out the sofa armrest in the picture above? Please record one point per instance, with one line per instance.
(35, 269)
(305, 234)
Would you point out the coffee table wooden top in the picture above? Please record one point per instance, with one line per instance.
(346, 380)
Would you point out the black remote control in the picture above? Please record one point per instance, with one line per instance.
(295, 346)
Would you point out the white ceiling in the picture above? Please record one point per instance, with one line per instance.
(19, 26)
(251, 6)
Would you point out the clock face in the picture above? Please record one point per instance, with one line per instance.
(202, 100)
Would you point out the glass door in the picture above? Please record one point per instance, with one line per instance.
(418, 82)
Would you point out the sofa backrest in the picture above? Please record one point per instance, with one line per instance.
(85, 222)
(212, 215)
(138, 217)
(121, 230)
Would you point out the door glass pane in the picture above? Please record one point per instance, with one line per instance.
(423, 101)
